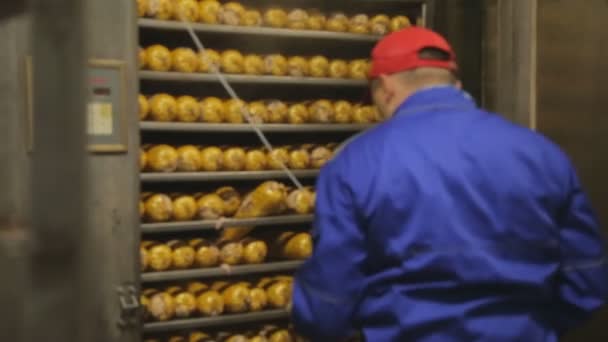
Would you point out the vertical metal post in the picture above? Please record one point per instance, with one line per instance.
(55, 304)
(460, 22)
(516, 59)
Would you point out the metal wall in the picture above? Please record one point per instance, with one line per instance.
(14, 178)
(54, 308)
(39, 233)
(546, 66)
(114, 185)
(572, 96)
(573, 101)
(51, 290)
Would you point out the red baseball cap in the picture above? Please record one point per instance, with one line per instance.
(400, 51)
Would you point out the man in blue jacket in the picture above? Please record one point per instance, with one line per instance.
(446, 222)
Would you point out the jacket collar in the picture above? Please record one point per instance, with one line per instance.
(437, 97)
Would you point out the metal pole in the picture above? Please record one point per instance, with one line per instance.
(56, 299)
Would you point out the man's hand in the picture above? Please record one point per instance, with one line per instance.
(289, 307)
(328, 286)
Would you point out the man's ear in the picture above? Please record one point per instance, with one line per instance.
(458, 84)
(388, 87)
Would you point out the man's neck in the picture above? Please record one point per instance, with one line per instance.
(407, 94)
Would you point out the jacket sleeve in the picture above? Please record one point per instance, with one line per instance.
(583, 275)
(327, 287)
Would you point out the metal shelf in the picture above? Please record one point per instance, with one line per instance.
(221, 176)
(208, 322)
(166, 25)
(283, 266)
(172, 76)
(175, 227)
(152, 126)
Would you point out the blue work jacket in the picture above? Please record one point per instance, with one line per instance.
(448, 223)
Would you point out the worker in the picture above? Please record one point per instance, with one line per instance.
(446, 222)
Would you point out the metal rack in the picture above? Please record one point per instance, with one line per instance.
(163, 25)
(219, 321)
(177, 79)
(148, 126)
(172, 76)
(221, 176)
(210, 225)
(215, 272)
